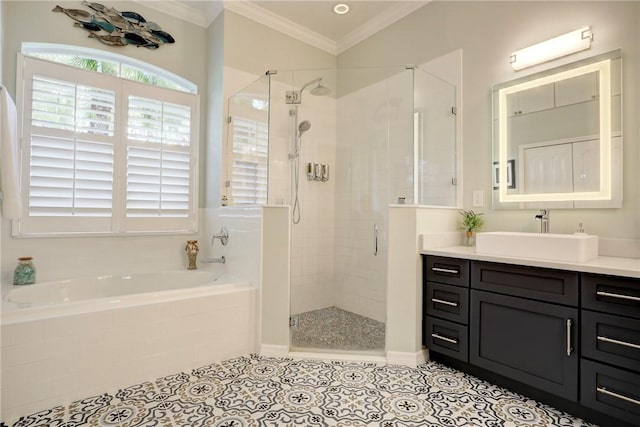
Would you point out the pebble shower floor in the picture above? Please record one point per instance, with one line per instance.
(260, 391)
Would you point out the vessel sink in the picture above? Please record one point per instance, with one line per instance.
(553, 247)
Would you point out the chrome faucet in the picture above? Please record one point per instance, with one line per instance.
(223, 236)
(543, 217)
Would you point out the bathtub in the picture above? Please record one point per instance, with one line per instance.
(134, 327)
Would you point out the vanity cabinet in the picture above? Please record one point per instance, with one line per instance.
(516, 331)
(446, 306)
(566, 338)
(610, 374)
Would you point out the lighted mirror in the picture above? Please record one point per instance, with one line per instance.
(558, 137)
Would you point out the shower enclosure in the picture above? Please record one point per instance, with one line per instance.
(343, 144)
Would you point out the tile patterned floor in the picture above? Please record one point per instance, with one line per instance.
(336, 329)
(258, 391)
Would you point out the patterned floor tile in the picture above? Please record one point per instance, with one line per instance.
(258, 391)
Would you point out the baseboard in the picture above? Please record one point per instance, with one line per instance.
(407, 358)
(270, 350)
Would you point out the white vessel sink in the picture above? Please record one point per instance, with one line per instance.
(554, 247)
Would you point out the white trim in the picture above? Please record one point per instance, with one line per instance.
(407, 358)
(283, 25)
(286, 26)
(272, 350)
(186, 13)
(30, 48)
(380, 22)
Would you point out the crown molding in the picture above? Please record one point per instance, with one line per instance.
(283, 25)
(186, 13)
(263, 16)
(380, 22)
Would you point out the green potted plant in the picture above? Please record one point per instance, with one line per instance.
(471, 222)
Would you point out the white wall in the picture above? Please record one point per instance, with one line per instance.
(488, 32)
(404, 277)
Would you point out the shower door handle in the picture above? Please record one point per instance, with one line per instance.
(375, 239)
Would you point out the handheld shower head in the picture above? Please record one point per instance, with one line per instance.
(304, 126)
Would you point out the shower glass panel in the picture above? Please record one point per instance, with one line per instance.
(345, 129)
(246, 158)
(435, 140)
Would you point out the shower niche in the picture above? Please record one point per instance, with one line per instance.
(340, 146)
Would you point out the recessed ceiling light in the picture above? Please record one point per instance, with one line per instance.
(341, 8)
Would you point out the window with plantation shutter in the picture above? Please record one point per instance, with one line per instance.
(105, 155)
(250, 158)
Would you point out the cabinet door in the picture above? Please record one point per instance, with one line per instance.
(448, 338)
(556, 286)
(452, 271)
(613, 391)
(447, 302)
(613, 295)
(528, 341)
(611, 339)
(531, 100)
(577, 89)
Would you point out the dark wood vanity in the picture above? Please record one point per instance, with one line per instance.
(566, 338)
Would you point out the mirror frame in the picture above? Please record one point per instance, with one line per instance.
(599, 63)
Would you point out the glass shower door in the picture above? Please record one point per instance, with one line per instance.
(435, 140)
(246, 157)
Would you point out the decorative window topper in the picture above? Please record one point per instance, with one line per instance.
(115, 28)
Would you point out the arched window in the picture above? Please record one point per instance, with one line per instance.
(110, 144)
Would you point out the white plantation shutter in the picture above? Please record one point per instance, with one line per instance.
(250, 158)
(85, 172)
(160, 158)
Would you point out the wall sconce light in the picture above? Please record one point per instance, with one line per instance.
(556, 47)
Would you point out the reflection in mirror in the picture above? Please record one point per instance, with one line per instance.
(561, 130)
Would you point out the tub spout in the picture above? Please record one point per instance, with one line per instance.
(221, 260)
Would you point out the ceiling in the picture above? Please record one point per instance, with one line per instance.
(311, 21)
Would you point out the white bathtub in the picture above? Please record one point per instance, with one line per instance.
(134, 327)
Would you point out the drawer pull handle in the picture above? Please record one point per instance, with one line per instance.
(609, 294)
(440, 337)
(619, 396)
(444, 270)
(441, 301)
(569, 349)
(612, 341)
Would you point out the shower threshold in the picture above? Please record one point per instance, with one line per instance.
(335, 330)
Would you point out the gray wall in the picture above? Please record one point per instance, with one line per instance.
(488, 32)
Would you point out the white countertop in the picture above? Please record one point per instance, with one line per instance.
(614, 266)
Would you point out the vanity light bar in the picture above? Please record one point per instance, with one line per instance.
(556, 47)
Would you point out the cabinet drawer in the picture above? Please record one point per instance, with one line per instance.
(611, 295)
(543, 284)
(446, 337)
(447, 302)
(611, 339)
(613, 391)
(527, 341)
(452, 271)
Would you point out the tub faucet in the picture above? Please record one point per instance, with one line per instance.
(223, 236)
(220, 260)
(543, 217)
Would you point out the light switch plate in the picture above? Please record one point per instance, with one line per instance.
(478, 198)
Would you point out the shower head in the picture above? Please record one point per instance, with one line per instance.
(304, 126)
(320, 90)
